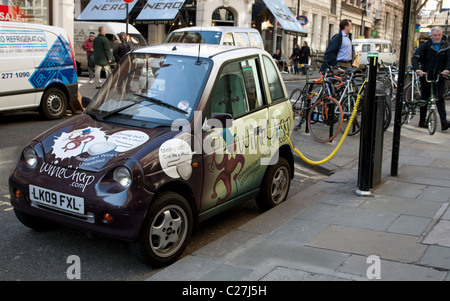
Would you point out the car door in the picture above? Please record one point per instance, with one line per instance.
(232, 153)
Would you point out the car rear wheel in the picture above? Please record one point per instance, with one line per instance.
(275, 185)
(165, 232)
(53, 104)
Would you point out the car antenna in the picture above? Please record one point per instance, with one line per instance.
(198, 62)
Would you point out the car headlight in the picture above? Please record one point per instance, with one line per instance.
(122, 176)
(30, 157)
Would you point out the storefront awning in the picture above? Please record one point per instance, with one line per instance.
(106, 10)
(160, 10)
(285, 17)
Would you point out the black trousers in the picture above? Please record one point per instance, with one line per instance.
(440, 104)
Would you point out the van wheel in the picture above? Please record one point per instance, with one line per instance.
(165, 232)
(275, 185)
(53, 104)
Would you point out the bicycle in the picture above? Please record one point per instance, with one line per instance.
(388, 81)
(325, 116)
(411, 107)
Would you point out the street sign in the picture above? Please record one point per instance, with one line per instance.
(303, 20)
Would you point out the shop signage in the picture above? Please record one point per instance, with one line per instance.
(160, 10)
(303, 20)
(106, 10)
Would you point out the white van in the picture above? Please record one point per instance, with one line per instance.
(113, 29)
(220, 35)
(382, 47)
(37, 69)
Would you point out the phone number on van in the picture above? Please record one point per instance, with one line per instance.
(14, 75)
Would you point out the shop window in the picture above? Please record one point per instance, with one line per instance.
(222, 17)
(30, 11)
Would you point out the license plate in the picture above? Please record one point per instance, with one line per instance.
(56, 199)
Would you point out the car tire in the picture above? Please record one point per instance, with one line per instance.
(166, 231)
(34, 222)
(275, 185)
(53, 104)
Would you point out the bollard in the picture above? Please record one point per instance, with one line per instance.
(368, 132)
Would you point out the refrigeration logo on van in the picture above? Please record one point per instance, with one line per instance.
(96, 142)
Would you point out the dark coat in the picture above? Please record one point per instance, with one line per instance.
(120, 49)
(304, 54)
(102, 52)
(431, 61)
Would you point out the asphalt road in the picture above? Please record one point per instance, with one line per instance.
(29, 255)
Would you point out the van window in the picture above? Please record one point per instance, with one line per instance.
(255, 39)
(228, 39)
(275, 87)
(378, 48)
(387, 48)
(241, 39)
(365, 48)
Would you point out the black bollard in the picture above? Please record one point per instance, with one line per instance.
(368, 119)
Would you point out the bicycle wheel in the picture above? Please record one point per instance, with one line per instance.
(432, 122)
(297, 107)
(347, 110)
(407, 92)
(325, 119)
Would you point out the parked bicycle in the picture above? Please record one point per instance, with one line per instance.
(410, 108)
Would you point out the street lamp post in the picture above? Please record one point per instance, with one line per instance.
(363, 12)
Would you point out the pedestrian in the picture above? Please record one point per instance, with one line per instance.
(295, 57)
(304, 56)
(340, 50)
(433, 57)
(121, 47)
(102, 55)
(277, 58)
(88, 46)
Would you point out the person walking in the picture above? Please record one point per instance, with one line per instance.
(121, 47)
(295, 57)
(304, 56)
(102, 56)
(88, 46)
(433, 57)
(340, 50)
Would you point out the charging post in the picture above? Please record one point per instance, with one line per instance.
(371, 138)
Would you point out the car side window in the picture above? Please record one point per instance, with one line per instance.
(273, 80)
(237, 90)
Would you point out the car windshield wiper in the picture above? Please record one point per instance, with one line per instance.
(161, 103)
(115, 111)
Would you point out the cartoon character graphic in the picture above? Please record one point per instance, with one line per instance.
(227, 166)
(76, 141)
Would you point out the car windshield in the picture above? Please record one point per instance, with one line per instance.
(151, 90)
(203, 37)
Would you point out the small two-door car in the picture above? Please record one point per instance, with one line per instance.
(177, 134)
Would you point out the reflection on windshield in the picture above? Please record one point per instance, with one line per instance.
(152, 88)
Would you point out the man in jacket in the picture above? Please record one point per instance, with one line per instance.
(433, 57)
(340, 50)
(102, 55)
(121, 47)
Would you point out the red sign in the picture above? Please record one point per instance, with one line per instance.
(303, 20)
(128, 1)
(9, 13)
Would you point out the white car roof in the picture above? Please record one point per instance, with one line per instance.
(206, 50)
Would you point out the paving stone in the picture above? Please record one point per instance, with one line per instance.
(392, 246)
(409, 225)
(439, 235)
(227, 273)
(400, 189)
(401, 205)
(348, 216)
(435, 193)
(298, 231)
(437, 256)
(287, 274)
(391, 271)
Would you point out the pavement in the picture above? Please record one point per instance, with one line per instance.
(397, 231)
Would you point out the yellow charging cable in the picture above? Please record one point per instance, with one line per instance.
(352, 117)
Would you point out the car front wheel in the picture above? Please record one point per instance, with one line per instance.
(165, 232)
